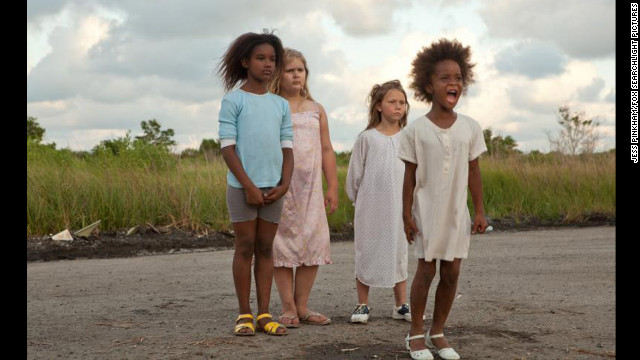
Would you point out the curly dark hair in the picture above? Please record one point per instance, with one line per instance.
(230, 68)
(424, 66)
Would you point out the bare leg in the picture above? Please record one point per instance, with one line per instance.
(244, 246)
(400, 292)
(425, 272)
(363, 292)
(283, 277)
(305, 277)
(445, 294)
(263, 270)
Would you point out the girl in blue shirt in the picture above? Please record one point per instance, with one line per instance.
(256, 138)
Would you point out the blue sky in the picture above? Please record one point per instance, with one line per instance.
(97, 69)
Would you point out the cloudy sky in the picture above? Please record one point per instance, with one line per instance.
(96, 69)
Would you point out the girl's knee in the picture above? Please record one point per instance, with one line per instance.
(244, 248)
(426, 270)
(264, 250)
(449, 275)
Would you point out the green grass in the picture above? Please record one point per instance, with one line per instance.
(549, 187)
(68, 191)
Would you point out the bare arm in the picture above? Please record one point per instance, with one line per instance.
(328, 164)
(252, 193)
(410, 228)
(475, 187)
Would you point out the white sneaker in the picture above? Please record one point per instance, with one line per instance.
(401, 312)
(360, 314)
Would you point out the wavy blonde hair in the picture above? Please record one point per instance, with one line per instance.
(289, 55)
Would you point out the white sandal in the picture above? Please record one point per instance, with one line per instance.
(446, 353)
(423, 354)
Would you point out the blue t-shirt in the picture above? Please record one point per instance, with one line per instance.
(258, 124)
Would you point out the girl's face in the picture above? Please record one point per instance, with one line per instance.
(393, 106)
(261, 64)
(294, 76)
(446, 84)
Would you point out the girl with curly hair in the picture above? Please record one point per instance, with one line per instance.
(440, 151)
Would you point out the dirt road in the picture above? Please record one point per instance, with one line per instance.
(544, 294)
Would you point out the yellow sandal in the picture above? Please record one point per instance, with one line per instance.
(271, 327)
(245, 325)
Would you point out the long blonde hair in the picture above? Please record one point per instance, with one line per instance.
(376, 96)
(289, 55)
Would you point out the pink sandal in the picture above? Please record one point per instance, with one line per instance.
(291, 318)
(305, 319)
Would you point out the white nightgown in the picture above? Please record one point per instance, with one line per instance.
(442, 177)
(374, 185)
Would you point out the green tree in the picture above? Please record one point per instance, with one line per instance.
(209, 148)
(211, 145)
(579, 134)
(488, 134)
(114, 146)
(153, 135)
(189, 152)
(34, 131)
(498, 145)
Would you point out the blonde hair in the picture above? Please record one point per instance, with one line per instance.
(289, 55)
(376, 96)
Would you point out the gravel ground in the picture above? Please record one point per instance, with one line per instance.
(539, 294)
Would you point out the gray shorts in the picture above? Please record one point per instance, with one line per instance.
(240, 211)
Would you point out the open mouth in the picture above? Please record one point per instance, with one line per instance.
(452, 96)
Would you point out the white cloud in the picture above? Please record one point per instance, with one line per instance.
(108, 66)
(39, 9)
(553, 92)
(534, 59)
(84, 138)
(611, 96)
(363, 18)
(592, 91)
(582, 29)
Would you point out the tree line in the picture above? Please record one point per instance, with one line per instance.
(578, 135)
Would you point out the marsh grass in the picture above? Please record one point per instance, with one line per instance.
(65, 190)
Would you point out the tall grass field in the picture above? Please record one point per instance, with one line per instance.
(68, 191)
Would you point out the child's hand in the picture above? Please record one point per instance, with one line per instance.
(331, 198)
(254, 196)
(410, 229)
(479, 224)
(275, 194)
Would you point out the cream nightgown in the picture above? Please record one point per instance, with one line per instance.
(442, 177)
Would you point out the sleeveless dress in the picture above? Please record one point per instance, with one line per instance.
(303, 232)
